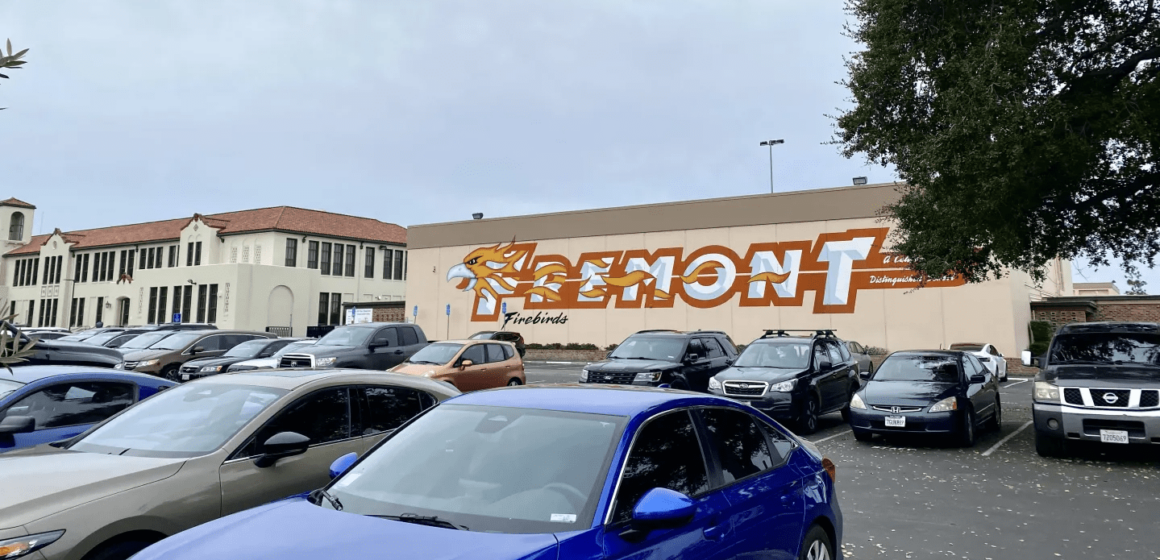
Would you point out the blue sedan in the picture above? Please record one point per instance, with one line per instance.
(43, 404)
(554, 472)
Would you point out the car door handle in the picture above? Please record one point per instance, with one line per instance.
(400, 351)
(715, 532)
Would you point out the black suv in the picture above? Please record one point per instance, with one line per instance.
(380, 346)
(681, 360)
(1098, 382)
(794, 378)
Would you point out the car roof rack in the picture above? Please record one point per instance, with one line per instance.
(658, 330)
(699, 331)
(775, 333)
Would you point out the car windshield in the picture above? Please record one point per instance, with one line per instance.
(488, 469)
(293, 347)
(967, 347)
(939, 368)
(438, 353)
(650, 348)
(1106, 349)
(346, 336)
(82, 335)
(146, 340)
(101, 339)
(248, 349)
(485, 335)
(177, 341)
(9, 385)
(185, 421)
(790, 355)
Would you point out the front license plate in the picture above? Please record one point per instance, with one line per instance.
(185, 377)
(1114, 436)
(895, 421)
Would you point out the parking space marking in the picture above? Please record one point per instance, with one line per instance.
(1016, 383)
(832, 437)
(1009, 436)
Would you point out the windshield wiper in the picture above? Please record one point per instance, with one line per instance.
(423, 362)
(429, 520)
(320, 493)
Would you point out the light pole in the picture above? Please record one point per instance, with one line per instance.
(771, 144)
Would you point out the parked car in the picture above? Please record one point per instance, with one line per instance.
(861, 355)
(378, 346)
(1100, 382)
(272, 361)
(42, 404)
(81, 336)
(61, 353)
(682, 360)
(256, 348)
(936, 392)
(505, 336)
(793, 378)
(643, 474)
(987, 353)
(115, 338)
(47, 335)
(469, 365)
(166, 356)
(197, 452)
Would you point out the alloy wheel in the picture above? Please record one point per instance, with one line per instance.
(818, 551)
(513, 383)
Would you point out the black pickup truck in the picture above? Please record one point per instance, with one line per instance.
(379, 346)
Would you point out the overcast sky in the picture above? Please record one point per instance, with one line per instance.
(417, 111)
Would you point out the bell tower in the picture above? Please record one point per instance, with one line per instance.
(16, 218)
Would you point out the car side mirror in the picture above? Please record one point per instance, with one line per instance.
(661, 508)
(197, 350)
(824, 363)
(1026, 358)
(280, 446)
(864, 374)
(978, 378)
(17, 425)
(465, 363)
(342, 464)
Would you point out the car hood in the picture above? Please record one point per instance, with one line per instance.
(629, 366)
(1102, 376)
(40, 484)
(144, 354)
(771, 375)
(326, 351)
(298, 529)
(78, 347)
(906, 393)
(258, 363)
(221, 361)
(415, 369)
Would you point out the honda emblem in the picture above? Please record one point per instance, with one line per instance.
(895, 410)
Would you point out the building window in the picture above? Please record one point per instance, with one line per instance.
(291, 252)
(31, 312)
(77, 270)
(40, 318)
(336, 270)
(72, 314)
(212, 313)
(398, 265)
(323, 308)
(162, 294)
(132, 255)
(369, 265)
(112, 257)
(143, 259)
(336, 309)
(81, 313)
(176, 302)
(350, 249)
(173, 256)
(16, 227)
(246, 254)
(84, 265)
(406, 258)
(189, 254)
(152, 306)
(186, 303)
(325, 267)
(197, 254)
(201, 293)
(100, 309)
(388, 259)
(55, 305)
(312, 254)
(35, 271)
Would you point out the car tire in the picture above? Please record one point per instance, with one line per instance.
(996, 421)
(816, 545)
(514, 382)
(846, 407)
(119, 550)
(968, 433)
(1047, 446)
(863, 436)
(170, 373)
(808, 422)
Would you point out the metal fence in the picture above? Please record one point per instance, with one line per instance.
(281, 331)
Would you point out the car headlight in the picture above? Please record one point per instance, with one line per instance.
(783, 387)
(120, 365)
(210, 369)
(325, 362)
(714, 384)
(430, 373)
(946, 405)
(1046, 392)
(584, 374)
(648, 376)
(20, 546)
(147, 363)
(856, 402)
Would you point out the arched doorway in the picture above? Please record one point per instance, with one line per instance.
(280, 311)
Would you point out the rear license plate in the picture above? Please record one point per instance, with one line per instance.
(185, 377)
(1114, 436)
(895, 421)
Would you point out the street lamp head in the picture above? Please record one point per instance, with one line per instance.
(772, 142)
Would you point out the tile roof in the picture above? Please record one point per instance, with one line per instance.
(279, 218)
(16, 202)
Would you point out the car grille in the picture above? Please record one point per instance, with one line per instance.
(1073, 396)
(612, 378)
(189, 369)
(131, 365)
(1149, 399)
(296, 361)
(1111, 398)
(897, 409)
(745, 388)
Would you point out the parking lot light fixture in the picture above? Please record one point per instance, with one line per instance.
(771, 144)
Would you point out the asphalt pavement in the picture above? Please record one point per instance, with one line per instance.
(910, 497)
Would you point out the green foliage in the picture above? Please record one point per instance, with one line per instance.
(1038, 348)
(611, 347)
(1041, 331)
(559, 346)
(11, 61)
(1024, 130)
(876, 351)
(1136, 284)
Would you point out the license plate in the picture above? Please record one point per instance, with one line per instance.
(185, 377)
(1114, 436)
(895, 421)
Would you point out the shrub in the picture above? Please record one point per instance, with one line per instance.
(1041, 331)
(740, 348)
(611, 347)
(578, 346)
(876, 351)
(1038, 348)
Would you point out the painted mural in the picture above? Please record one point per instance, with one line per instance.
(835, 266)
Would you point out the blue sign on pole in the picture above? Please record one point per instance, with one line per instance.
(503, 308)
(415, 312)
(449, 310)
(177, 317)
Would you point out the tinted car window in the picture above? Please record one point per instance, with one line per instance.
(322, 417)
(695, 347)
(666, 454)
(386, 336)
(820, 355)
(739, 442)
(409, 336)
(70, 404)
(650, 347)
(713, 347)
(775, 355)
(973, 367)
(835, 355)
(438, 353)
(1106, 348)
(508, 352)
(495, 353)
(938, 368)
(274, 347)
(845, 352)
(389, 407)
(475, 354)
(782, 445)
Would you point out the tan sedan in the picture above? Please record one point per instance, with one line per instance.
(470, 365)
(194, 453)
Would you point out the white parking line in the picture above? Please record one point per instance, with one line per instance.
(1009, 436)
(831, 437)
(560, 363)
(1016, 383)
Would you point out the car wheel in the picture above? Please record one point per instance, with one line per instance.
(121, 550)
(996, 422)
(967, 432)
(863, 435)
(170, 373)
(1047, 446)
(808, 423)
(816, 545)
(514, 382)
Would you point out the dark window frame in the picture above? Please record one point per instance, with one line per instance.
(324, 267)
(388, 264)
(291, 252)
(351, 409)
(312, 255)
(369, 262)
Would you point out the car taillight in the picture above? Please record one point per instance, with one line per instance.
(831, 469)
